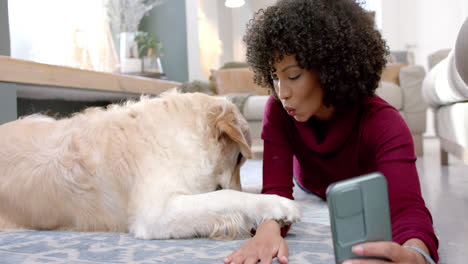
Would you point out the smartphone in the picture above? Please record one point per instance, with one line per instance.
(359, 212)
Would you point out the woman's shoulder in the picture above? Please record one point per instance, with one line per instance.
(381, 121)
(377, 110)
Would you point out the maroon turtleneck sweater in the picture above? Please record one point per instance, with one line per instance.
(371, 137)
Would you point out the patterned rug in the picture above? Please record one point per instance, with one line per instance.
(309, 241)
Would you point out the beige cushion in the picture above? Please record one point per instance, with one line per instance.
(391, 93)
(391, 72)
(411, 79)
(254, 107)
(236, 80)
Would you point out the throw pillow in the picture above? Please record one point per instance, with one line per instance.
(391, 72)
(234, 64)
(196, 86)
(236, 80)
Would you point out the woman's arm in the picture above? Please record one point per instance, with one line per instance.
(394, 154)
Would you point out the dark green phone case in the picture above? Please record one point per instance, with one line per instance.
(359, 212)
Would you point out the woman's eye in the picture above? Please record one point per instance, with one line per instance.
(294, 77)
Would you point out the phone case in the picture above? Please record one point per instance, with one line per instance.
(359, 212)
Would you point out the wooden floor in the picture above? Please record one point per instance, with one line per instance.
(445, 190)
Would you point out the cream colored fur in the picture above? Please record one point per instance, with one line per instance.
(151, 168)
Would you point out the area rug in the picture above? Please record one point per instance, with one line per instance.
(309, 241)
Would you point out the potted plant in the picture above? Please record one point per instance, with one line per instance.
(150, 51)
(125, 16)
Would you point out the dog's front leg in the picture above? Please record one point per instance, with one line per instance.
(220, 214)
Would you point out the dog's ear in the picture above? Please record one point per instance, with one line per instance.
(235, 133)
(233, 124)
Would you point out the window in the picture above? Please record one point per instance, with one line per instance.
(72, 33)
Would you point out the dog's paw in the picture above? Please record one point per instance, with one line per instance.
(278, 208)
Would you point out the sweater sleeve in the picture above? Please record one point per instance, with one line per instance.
(395, 159)
(277, 154)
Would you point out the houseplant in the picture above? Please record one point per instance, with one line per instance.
(125, 16)
(150, 51)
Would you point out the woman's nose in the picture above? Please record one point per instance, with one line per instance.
(282, 91)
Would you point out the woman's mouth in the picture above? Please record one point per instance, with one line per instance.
(291, 111)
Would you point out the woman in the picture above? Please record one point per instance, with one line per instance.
(323, 60)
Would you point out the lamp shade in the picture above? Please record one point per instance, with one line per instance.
(234, 3)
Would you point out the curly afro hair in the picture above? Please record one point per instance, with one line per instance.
(334, 38)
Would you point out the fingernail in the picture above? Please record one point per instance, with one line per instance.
(347, 262)
(358, 250)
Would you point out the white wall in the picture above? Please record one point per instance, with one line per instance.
(424, 26)
(225, 22)
(215, 32)
(240, 18)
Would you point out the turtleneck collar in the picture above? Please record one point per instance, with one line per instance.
(328, 136)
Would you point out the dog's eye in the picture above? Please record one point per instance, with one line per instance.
(239, 158)
(219, 187)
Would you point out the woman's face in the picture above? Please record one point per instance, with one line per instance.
(299, 91)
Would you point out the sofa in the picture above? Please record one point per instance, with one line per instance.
(400, 86)
(445, 89)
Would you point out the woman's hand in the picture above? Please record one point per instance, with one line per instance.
(264, 246)
(389, 250)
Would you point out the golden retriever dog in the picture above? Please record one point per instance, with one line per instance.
(158, 168)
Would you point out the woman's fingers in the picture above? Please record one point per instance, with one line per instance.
(235, 257)
(365, 261)
(283, 252)
(251, 260)
(229, 258)
(389, 250)
(386, 249)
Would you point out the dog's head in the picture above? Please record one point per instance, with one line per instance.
(232, 132)
(218, 139)
(230, 140)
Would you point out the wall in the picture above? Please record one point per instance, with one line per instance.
(240, 18)
(421, 25)
(214, 34)
(424, 26)
(168, 23)
(4, 29)
(225, 25)
(211, 46)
